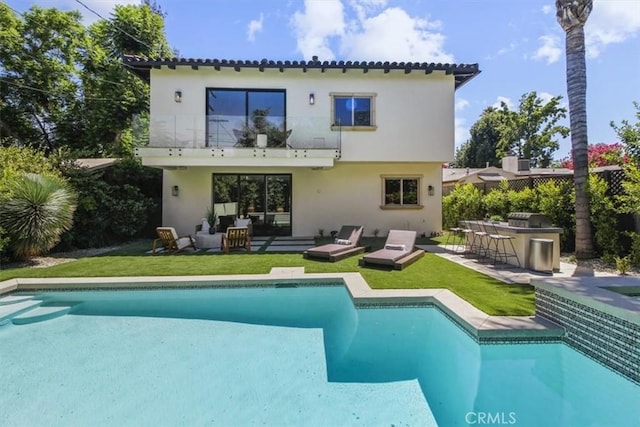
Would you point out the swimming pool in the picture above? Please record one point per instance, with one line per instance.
(286, 356)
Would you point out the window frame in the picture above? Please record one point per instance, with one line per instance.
(391, 206)
(247, 113)
(371, 96)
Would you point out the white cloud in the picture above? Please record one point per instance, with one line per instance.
(375, 32)
(461, 104)
(462, 133)
(549, 51)
(611, 21)
(500, 100)
(548, 8)
(254, 26)
(319, 21)
(545, 96)
(394, 35)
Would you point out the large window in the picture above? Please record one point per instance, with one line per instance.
(355, 111)
(401, 191)
(236, 116)
(263, 198)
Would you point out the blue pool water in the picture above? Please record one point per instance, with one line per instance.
(290, 356)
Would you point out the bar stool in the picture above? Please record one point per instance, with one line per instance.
(481, 241)
(456, 237)
(467, 237)
(495, 239)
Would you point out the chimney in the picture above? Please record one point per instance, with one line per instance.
(514, 165)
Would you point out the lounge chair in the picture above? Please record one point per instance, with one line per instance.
(236, 238)
(345, 244)
(169, 239)
(398, 251)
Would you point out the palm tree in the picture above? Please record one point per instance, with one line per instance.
(572, 15)
(39, 209)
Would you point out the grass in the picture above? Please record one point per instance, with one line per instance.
(487, 294)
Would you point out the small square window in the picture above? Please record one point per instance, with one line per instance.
(401, 191)
(353, 111)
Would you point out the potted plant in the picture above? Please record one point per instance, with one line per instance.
(212, 217)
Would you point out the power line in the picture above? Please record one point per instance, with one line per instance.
(9, 82)
(14, 11)
(115, 26)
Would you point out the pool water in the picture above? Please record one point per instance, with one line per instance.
(291, 356)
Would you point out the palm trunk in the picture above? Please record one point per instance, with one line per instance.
(572, 15)
(577, 91)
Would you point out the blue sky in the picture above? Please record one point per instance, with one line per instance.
(518, 44)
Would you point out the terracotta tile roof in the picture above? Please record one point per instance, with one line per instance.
(142, 66)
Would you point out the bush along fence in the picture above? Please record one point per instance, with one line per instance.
(616, 230)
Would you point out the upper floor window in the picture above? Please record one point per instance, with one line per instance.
(401, 191)
(355, 111)
(236, 116)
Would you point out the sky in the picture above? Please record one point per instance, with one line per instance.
(518, 44)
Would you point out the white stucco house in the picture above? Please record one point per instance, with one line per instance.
(299, 146)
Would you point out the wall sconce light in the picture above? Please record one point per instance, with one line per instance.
(178, 96)
(175, 191)
(430, 190)
(312, 98)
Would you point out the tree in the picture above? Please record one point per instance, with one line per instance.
(629, 134)
(572, 16)
(601, 155)
(480, 149)
(64, 85)
(530, 131)
(39, 87)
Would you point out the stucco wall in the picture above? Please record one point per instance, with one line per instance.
(414, 113)
(349, 193)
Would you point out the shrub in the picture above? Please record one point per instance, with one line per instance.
(496, 202)
(634, 253)
(603, 218)
(464, 202)
(114, 205)
(557, 201)
(35, 213)
(523, 201)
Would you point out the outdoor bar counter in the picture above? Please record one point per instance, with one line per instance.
(521, 237)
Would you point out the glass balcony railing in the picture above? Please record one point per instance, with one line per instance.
(215, 131)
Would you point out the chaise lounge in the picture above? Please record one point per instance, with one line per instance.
(398, 251)
(169, 239)
(345, 245)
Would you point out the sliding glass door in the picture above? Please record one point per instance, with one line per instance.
(236, 116)
(264, 198)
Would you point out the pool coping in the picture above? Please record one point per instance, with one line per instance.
(479, 325)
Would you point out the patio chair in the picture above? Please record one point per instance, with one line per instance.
(236, 238)
(169, 239)
(345, 245)
(398, 251)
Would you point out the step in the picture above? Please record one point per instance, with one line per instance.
(40, 314)
(12, 299)
(9, 311)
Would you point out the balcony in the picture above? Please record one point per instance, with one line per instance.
(172, 141)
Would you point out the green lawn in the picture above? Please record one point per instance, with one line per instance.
(489, 295)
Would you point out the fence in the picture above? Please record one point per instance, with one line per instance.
(613, 178)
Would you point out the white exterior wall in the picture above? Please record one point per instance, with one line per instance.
(349, 193)
(414, 113)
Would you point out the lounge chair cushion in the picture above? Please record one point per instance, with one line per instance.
(325, 251)
(398, 245)
(243, 222)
